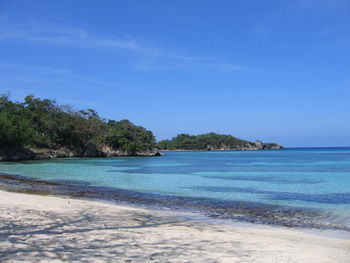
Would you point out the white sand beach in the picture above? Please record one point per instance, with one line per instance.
(37, 228)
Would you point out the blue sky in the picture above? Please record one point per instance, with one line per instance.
(271, 70)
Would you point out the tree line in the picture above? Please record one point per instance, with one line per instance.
(201, 142)
(42, 123)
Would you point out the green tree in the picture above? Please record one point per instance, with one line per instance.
(127, 137)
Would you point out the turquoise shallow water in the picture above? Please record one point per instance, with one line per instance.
(316, 178)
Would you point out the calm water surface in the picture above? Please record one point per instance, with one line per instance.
(310, 178)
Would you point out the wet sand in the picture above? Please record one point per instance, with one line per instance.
(37, 228)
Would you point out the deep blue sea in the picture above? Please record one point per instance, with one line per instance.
(310, 179)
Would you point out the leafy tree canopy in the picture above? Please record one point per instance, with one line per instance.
(201, 142)
(42, 123)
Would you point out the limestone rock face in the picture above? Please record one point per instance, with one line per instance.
(258, 145)
(20, 154)
(272, 146)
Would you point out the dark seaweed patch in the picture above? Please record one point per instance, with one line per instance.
(254, 212)
(264, 179)
(334, 198)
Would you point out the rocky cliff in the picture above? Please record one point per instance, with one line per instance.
(20, 154)
(258, 145)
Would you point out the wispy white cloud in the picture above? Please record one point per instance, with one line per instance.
(147, 58)
(79, 38)
(12, 72)
(54, 35)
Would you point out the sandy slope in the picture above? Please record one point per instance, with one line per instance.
(54, 229)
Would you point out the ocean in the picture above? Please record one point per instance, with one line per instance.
(298, 187)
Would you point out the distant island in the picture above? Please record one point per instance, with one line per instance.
(213, 141)
(41, 129)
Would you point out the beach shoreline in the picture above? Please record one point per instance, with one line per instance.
(246, 212)
(58, 229)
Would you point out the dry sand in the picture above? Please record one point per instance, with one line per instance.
(55, 229)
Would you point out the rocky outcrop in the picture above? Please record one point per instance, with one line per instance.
(258, 145)
(20, 154)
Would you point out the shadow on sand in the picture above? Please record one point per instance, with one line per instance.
(97, 235)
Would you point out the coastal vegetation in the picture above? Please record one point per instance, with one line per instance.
(201, 142)
(43, 124)
(40, 128)
(213, 141)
